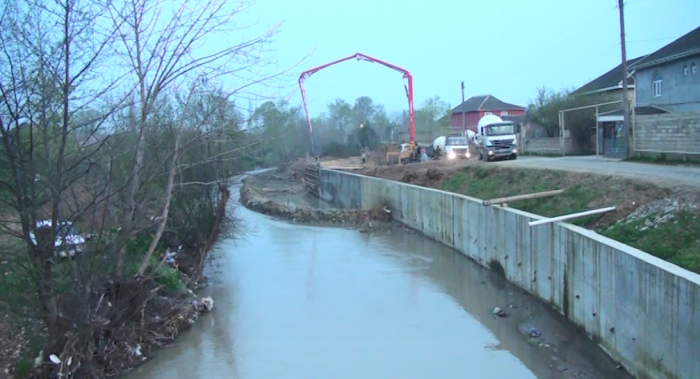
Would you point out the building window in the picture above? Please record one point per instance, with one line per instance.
(693, 68)
(487, 113)
(685, 70)
(504, 113)
(656, 84)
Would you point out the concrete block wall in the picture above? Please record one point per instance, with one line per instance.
(547, 145)
(677, 133)
(644, 312)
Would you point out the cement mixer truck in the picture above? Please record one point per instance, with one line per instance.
(496, 139)
(454, 147)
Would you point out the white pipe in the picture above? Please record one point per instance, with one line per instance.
(570, 216)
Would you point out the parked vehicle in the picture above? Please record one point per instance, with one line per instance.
(496, 139)
(453, 146)
(67, 242)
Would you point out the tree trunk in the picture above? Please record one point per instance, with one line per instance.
(166, 211)
(56, 327)
(211, 238)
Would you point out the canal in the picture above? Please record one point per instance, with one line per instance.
(316, 302)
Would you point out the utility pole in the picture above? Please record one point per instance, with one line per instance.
(625, 95)
(464, 122)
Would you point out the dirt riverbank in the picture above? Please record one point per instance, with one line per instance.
(280, 195)
(131, 319)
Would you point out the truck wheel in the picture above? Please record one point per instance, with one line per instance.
(481, 156)
(514, 157)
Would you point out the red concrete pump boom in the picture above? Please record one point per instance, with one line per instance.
(361, 57)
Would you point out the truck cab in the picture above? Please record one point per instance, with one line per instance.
(496, 139)
(453, 146)
(457, 146)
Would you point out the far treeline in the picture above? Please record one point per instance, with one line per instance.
(346, 129)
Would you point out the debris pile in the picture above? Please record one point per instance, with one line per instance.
(380, 213)
(498, 312)
(251, 199)
(132, 318)
(659, 212)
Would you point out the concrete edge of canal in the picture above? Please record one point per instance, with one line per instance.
(639, 309)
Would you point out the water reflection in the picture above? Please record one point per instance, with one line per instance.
(306, 302)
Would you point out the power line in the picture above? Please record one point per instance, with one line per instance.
(552, 49)
(651, 40)
(605, 52)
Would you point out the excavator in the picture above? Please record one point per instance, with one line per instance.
(407, 152)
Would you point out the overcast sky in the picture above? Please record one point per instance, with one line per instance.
(506, 48)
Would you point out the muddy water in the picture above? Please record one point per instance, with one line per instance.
(307, 302)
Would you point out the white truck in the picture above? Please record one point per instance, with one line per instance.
(453, 146)
(496, 139)
(67, 241)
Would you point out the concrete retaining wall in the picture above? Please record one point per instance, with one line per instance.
(643, 311)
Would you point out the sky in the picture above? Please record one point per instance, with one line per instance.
(506, 48)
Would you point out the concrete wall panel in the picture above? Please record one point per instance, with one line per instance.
(643, 311)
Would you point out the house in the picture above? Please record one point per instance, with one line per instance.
(473, 109)
(663, 82)
(610, 141)
(669, 78)
(610, 83)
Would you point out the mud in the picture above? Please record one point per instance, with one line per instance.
(254, 198)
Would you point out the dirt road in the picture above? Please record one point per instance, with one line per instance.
(658, 174)
(663, 175)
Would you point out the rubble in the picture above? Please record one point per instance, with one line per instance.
(498, 312)
(252, 199)
(657, 213)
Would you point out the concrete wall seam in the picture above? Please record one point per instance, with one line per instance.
(643, 311)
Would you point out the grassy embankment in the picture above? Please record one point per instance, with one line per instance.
(677, 241)
(663, 160)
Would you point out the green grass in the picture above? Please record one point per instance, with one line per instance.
(166, 276)
(676, 241)
(662, 159)
(488, 183)
(25, 365)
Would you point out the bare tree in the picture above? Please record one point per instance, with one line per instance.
(51, 54)
(79, 143)
(162, 52)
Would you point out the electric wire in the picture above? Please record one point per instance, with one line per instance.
(552, 49)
